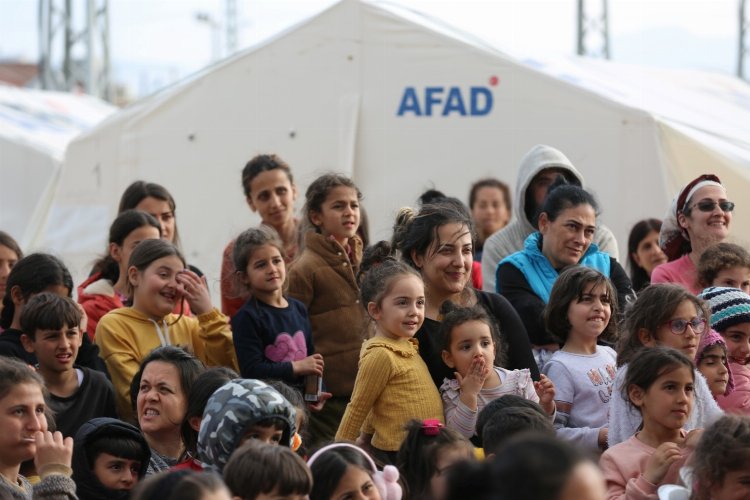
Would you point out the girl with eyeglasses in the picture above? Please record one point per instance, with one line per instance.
(698, 217)
(663, 315)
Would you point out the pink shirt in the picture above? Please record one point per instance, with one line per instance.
(681, 272)
(623, 466)
(738, 401)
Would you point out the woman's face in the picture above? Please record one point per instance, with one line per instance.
(711, 226)
(490, 211)
(567, 238)
(162, 211)
(161, 403)
(446, 265)
(649, 254)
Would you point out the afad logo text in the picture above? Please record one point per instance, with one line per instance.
(447, 101)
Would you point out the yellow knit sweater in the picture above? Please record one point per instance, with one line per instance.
(393, 386)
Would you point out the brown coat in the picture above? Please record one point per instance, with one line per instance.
(324, 279)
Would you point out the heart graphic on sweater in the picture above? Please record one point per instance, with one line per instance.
(287, 347)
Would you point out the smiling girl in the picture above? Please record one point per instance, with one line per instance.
(158, 281)
(324, 280)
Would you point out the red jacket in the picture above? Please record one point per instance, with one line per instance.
(98, 297)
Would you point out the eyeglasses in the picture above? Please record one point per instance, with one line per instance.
(710, 205)
(679, 326)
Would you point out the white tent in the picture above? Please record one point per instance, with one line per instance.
(35, 128)
(401, 104)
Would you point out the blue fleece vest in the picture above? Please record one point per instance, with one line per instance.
(538, 271)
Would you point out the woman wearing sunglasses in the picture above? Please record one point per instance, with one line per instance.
(699, 217)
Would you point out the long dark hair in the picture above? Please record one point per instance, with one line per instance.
(638, 275)
(140, 190)
(124, 224)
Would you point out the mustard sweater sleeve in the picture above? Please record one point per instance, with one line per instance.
(120, 353)
(375, 370)
(214, 337)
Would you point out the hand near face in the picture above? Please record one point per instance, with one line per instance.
(195, 291)
(545, 389)
(51, 448)
(474, 380)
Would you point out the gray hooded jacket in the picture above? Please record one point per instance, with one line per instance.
(510, 238)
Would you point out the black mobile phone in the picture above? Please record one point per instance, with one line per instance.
(313, 388)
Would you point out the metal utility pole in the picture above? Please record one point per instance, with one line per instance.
(744, 45)
(593, 29)
(231, 26)
(74, 46)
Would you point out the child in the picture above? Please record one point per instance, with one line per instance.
(271, 332)
(342, 470)
(35, 273)
(721, 461)
(711, 361)
(490, 204)
(25, 437)
(393, 384)
(730, 316)
(257, 470)
(725, 264)
(107, 288)
(182, 485)
(159, 280)
(240, 410)
(302, 409)
(323, 279)
(270, 191)
(659, 384)
(499, 404)
(469, 347)
(109, 458)
(510, 422)
(427, 453)
(669, 315)
(76, 393)
(10, 253)
(581, 305)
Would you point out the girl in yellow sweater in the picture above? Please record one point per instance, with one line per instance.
(393, 385)
(158, 280)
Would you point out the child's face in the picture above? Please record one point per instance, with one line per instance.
(447, 458)
(56, 350)
(156, 291)
(687, 342)
(446, 265)
(266, 271)
(489, 211)
(735, 486)
(355, 483)
(161, 401)
(121, 253)
(737, 338)
(470, 340)
(8, 259)
(713, 366)
(339, 214)
(589, 315)
(161, 210)
(116, 473)
(273, 495)
(272, 195)
(667, 403)
(21, 416)
(734, 277)
(401, 311)
(270, 434)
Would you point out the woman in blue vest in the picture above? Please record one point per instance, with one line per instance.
(566, 222)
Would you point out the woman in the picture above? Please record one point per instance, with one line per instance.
(567, 221)
(699, 217)
(489, 201)
(644, 252)
(438, 242)
(159, 394)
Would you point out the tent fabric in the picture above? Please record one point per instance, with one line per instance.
(401, 103)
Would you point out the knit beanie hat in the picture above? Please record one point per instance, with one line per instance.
(729, 306)
(709, 340)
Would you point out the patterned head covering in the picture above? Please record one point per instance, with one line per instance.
(709, 340)
(729, 306)
(232, 409)
(672, 238)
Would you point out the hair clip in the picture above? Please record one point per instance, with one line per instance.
(431, 427)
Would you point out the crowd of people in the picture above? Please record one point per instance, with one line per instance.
(491, 350)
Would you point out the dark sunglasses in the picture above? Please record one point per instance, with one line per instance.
(679, 326)
(710, 205)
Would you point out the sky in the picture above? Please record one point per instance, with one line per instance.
(156, 42)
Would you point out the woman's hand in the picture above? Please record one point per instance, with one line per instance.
(311, 365)
(195, 291)
(658, 465)
(51, 448)
(545, 389)
(322, 398)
